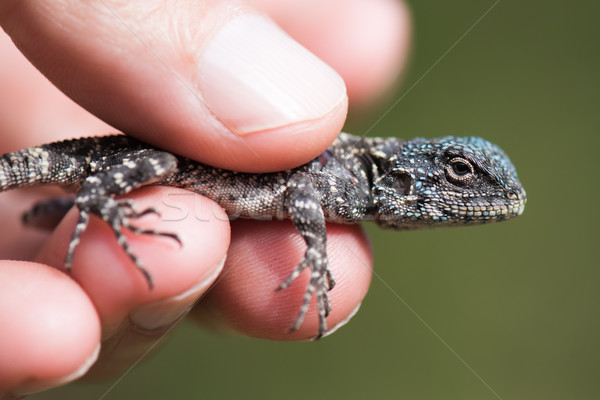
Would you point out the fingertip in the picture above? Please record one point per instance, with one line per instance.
(115, 284)
(261, 256)
(371, 58)
(366, 41)
(257, 102)
(50, 332)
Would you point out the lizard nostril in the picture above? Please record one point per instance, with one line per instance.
(512, 194)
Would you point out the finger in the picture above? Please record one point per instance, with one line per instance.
(365, 41)
(262, 254)
(50, 331)
(216, 81)
(133, 316)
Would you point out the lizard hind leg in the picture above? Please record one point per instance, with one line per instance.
(96, 197)
(305, 211)
(47, 214)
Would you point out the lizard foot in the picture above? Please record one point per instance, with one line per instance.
(321, 281)
(117, 214)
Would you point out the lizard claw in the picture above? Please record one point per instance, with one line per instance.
(129, 212)
(321, 281)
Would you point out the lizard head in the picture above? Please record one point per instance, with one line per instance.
(446, 181)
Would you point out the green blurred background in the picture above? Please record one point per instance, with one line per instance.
(504, 311)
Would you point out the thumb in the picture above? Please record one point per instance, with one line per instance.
(212, 80)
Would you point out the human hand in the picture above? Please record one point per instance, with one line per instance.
(156, 71)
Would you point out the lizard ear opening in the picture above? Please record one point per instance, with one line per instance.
(399, 181)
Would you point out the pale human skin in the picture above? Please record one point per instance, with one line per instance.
(162, 81)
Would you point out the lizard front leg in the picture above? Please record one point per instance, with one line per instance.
(96, 197)
(302, 204)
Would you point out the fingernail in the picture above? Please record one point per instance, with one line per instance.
(342, 322)
(164, 313)
(254, 77)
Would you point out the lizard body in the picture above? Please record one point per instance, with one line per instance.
(398, 184)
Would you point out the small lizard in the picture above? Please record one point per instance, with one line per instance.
(399, 184)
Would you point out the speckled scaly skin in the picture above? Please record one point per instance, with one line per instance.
(399, 184)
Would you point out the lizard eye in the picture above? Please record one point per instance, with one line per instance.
(460, 171)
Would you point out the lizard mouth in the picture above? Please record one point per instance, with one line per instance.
(493, 209)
